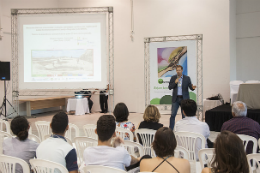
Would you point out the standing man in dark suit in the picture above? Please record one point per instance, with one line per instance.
(103, 96)
(90, 102)
(180, 84)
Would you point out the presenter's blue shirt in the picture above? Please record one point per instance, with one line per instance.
(179, 93)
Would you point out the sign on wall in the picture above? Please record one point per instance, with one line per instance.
(164, 57)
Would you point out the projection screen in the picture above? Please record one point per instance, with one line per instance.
(62, 51)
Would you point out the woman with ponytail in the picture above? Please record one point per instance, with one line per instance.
(20, 146)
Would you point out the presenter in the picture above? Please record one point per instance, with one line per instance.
(180, 84)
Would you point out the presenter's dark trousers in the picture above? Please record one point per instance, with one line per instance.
(90, 104)
(175, 107)
(103, 103)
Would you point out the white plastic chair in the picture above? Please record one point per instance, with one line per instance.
(121, 132)
(67, 139)
(5, 126)
(3, 135)
(234, 87)
(68, 133)
(256, 160)
(246, 139)
(43, 128)
(253, 81)
(34, 138)
(188, 140)
(147, 137)
(89, 131)
(129, 146)
(30, 130)
(8, 164)
(191, 141)
(181, 152)
(46, 166)
(99, 169)
(81, 144)
(206, 157)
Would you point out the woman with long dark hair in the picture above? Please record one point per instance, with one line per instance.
(230, 156)
(164, 145)
(121, 113)
(20, 146)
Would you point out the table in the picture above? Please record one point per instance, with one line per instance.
(209, 104)
(250, 95)
(217, 116)
(79, 105)
(43, 102)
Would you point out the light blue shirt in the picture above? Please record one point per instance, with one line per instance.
(179, 93)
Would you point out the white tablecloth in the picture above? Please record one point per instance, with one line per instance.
(80, 106)
(210, 104)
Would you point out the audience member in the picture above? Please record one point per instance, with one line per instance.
(121, 113)
(56, 148)
(191, 124)
(164, 145)
(151, 118)
(230, 155)
(20, 146)
(106, 154)
(240, 124)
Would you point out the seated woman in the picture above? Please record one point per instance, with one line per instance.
(20, 146)
(121, 113)
(230, 155)
(164, 145)
(151, 118)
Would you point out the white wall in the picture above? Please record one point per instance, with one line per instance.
(232, 31)
(155, 18)
(248, 39)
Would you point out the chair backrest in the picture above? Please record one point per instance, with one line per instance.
(147, 137)
(253, 81)
(5, 126)
(46, 166)
(130, 147)
(34, 138)
(69, 133)
(181, 152)
(89, 130)
(234, 86)
(206, 157)
(30, 130)
(3, 135)
(253, 162)
(124, 133)
(246, 139)
(99, 168)
(82, 143)
(67, 139)
(43, 128)
(189, 140)
(9, 164)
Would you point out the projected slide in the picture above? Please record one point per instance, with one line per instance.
(62, 52)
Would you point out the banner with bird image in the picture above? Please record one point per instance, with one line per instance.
(164, 57)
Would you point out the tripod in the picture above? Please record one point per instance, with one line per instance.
(5, 100)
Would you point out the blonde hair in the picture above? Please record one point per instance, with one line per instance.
(152, 114)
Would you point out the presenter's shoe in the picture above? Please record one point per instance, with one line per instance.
(102, 112)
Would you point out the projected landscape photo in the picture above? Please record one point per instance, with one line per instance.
(62, 63)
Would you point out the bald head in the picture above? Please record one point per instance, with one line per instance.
(239, 109)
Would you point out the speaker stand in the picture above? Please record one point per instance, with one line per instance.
(5, 100)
